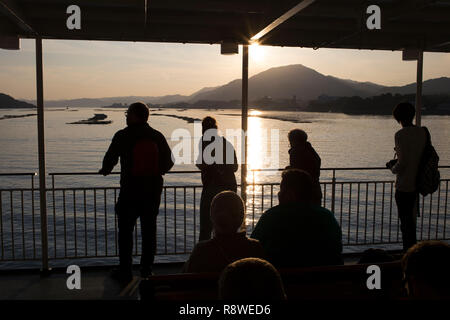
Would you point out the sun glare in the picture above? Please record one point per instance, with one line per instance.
(255, 113)
(256, 52)
(255, 143)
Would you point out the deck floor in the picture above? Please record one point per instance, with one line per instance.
(96, 283)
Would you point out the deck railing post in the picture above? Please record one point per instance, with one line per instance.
(333, 190)
(244, 123)
(41, 151)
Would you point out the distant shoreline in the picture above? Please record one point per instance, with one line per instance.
(262, 109)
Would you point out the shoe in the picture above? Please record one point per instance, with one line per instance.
(121, 275)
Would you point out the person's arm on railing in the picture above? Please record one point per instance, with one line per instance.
(111, 156)
(165, 155)
(399, 165)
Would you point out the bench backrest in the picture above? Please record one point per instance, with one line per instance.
(331, 282)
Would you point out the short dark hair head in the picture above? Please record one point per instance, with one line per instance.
(227, 212)
(140, 110)
(209, 123)
(297, 136)
(428, 263)
(404, 112)
(297, 183)
(251, 278)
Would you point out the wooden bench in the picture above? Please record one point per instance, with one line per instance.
(331, 282)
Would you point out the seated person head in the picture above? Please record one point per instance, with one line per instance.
(297, 137)
(227, 212)
(208, 123)
(426, 268)
(404, 113)
(375, 256)
(137, 113)
(251, 278)
(296, 186)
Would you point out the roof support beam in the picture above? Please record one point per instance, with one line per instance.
(288, 14)
(443, 44)
(12, 11)
(419, 89)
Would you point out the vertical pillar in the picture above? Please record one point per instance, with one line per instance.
(419, 89)
(418, 115)
(244, 124)
(41, 152)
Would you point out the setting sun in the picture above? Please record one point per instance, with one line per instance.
(257, 52)
(255, 113)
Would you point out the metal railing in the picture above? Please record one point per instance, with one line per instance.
(82, 222)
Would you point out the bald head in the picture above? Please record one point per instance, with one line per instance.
(227, 212)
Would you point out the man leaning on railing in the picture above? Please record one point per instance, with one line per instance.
(144, 157)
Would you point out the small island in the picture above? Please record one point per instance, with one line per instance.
(98, 118)
(15, 116)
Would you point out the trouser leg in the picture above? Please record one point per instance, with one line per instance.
(205, 219)
(405, 207)
(126, 224)
(148, 232)
(317, 194)
(148, 214)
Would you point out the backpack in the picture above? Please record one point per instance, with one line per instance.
(145, 158)
(428, 176)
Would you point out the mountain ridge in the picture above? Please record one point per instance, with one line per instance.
(283, 82)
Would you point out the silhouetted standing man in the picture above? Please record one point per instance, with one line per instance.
(303, 156)
(217, 171)
(144, 157)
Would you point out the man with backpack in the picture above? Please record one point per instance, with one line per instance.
(410, 143)
(144, 157)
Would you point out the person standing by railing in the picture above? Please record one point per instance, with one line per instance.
(302, 156)
(217, 171)
(144, 157)
(409, 145)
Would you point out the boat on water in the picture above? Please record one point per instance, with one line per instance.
(98, 118)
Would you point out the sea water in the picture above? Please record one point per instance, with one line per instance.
(341, 141)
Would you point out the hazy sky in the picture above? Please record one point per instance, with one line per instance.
(94, 69)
